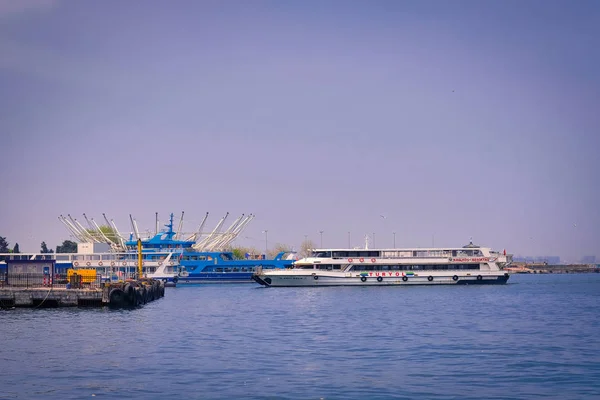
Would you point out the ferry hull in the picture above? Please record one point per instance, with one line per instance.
(313, 280)
(230, 277)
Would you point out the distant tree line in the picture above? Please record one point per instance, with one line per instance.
(241, 253)
(67, 246)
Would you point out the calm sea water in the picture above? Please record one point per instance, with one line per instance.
(537, 337)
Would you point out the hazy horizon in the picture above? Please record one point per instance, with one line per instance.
(451, 119)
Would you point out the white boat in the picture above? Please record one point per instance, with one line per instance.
(469, 264)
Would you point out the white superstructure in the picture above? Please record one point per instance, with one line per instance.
(417, 266)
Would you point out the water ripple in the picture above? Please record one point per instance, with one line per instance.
(536, 337)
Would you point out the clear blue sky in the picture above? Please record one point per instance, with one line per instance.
(451, 118)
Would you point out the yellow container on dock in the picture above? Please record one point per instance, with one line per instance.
(87, 275)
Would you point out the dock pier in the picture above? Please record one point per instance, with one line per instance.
(45, 293)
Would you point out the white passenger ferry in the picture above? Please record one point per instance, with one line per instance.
(469, 264)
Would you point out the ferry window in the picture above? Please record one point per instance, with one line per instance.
(353, 254)
(244, 269)
(218, 269)
(323, 254)
(340, 254)
(337, 266)
(226, 256)
(227, 270)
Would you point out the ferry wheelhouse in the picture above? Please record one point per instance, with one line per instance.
(466, 265)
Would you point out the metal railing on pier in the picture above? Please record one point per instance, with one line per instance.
(33, 280)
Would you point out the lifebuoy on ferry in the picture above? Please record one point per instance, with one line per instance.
(349, 260)
(76, 264)
(430, 278)
(379, 279)
(405, 278)
(124, 262)
(172, 262)
(362, 259)
(100, 263)
(88, 263)
(479, 277)
(455, 278)
(112, 263)
(372, 260)
(363, 278)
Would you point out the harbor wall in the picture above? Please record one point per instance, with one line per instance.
(542, 268)
(32, 292)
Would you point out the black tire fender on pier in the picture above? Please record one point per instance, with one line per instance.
(315, 277)
(479, 277)
(175, 279)
(379, 279)
(117, 297)
(430, 278)
(363, 278)
(405, 278)
(455, 278)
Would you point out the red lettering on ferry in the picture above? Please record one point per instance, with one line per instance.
(390, 273)
(370, 274)
(476, 259)
(397, 273)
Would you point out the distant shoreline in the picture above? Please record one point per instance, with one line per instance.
(523, 268)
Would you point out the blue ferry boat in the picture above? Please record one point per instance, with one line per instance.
(194, 266)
